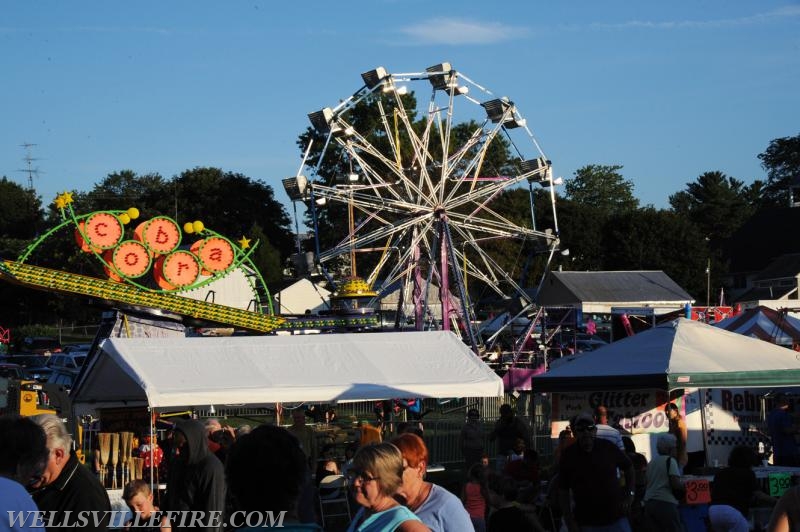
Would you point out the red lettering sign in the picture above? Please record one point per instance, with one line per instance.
(161, 235)
(103, 230)
(698, 491)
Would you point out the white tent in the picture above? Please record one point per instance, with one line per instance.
(678, 354)
(301, 297)
(183, 372)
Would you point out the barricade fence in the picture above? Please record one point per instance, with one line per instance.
(442, 421)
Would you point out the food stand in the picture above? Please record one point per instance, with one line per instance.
(717, 378)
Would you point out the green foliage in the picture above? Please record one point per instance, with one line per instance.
(602, 187)
(716, 204)
(21, 214)
(651, 239)
(230, 203)
(266, 257)
(781, 161)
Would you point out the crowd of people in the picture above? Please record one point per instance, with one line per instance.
(273, 476)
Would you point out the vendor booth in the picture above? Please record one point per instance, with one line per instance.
(721, 382)
(130, 380)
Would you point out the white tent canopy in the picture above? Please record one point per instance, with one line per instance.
(183, 372)
(678, 354)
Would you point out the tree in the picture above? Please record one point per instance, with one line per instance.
(716, 204)
(230, 203)
(781, 161)
(21, 220)
(602, 187)
(647, 239)
(125, 189)
(21, 215)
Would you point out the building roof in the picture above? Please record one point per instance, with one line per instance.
(622, 286)
(784, 267)
(765, 293)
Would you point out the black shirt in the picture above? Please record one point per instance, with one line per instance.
(734, 486)
(77, 490)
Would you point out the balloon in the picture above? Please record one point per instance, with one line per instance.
(198, 226)
(188, 227)
(133, 212)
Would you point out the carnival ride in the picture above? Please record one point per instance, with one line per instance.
(421, 195)
(181, 275)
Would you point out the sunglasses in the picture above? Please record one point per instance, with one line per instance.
(361, 476)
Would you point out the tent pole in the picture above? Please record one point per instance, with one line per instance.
(701, 398)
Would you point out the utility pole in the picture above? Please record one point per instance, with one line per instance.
(708, 283)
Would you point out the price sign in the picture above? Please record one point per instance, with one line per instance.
(698, 491)
(779, 483)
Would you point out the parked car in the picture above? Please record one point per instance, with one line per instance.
(63, 377)
(11, 371)
(71, 361)
(41, 345)
(27, 361)
(38, 373)
(75, 348)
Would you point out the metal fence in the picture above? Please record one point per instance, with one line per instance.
(442, 424)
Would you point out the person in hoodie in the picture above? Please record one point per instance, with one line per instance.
(196, 481)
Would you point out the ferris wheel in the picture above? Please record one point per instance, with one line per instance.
(424, 193)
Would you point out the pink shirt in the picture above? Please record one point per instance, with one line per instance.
(474, 503)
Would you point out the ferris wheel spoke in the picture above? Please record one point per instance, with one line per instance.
(428, 201)
(371, 237)
(491, 272)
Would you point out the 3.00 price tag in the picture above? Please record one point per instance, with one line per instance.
(698, 491)
(779, 483)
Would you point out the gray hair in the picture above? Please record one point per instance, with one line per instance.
(56, 431)
(666, 443)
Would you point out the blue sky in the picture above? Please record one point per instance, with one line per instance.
(667, 90)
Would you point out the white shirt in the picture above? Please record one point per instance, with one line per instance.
(611, 434)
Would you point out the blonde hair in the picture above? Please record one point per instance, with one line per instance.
(56, 431)
(384, 461)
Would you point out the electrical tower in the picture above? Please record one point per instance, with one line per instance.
(29, 159)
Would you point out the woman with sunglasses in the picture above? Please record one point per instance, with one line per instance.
(374, 477)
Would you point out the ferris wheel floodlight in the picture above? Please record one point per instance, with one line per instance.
(441, 76)
(400, 91)
(502, 109)
(295, 187)
(497, 108)
(324, 121)
(532, 165)
(373, 78)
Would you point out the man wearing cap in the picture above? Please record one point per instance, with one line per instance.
(589, 471)
(472, 439)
